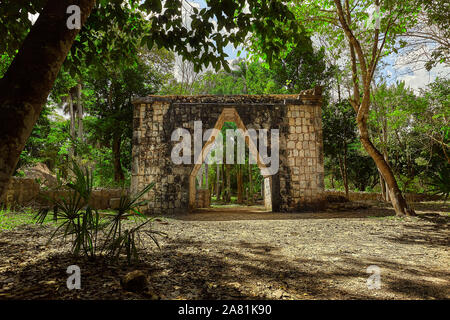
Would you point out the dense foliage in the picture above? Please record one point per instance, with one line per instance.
(115, 58)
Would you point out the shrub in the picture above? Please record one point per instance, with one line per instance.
(440, 184)
(82, 223)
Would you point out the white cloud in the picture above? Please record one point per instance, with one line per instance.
(412, 70)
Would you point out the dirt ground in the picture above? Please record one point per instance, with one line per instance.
(244, 253)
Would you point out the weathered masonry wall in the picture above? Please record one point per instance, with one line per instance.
(299, 181)
(27, 192)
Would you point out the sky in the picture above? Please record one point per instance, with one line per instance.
(414, 75)
(230, 50)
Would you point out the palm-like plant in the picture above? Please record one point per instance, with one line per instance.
(77, 218)
(80, 221)
(440, 182)
(121, 239)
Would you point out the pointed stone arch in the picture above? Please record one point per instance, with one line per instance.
(297, 184)
(229, 114)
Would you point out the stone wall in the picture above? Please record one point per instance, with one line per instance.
(26, 192)
(304, 147)
(20, 191)
(299, 180)
(100, 198)
(361, 196)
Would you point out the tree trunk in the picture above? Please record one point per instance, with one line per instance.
(386, 188)
(343, 169)
(246, 196)
(397, 199)
(362, 105)
(72, 126)
(228, 188)
(213, 184)
(206, 176)
(240, 188)
(345, 172)
(383, 186)
(79, 113)
(222, 187)
(384, 140)
(250, 183)
(218, 182)
(118, 171)
(27, 83)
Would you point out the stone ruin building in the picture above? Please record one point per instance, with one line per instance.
(299, 181)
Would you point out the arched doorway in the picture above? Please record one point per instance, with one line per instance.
(299, 180)
(229, 115)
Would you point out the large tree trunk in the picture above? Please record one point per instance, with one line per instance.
(27, 83)
(383, 186)
(118, 171)
(361, 105)
(397, 199)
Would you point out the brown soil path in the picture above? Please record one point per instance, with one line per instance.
(249, 254)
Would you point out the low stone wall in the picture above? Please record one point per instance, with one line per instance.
(25, 192)
(20, 191)
(361, 196)
(100, 198)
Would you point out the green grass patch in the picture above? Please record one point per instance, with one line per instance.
(228, 205)
(11, 219)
